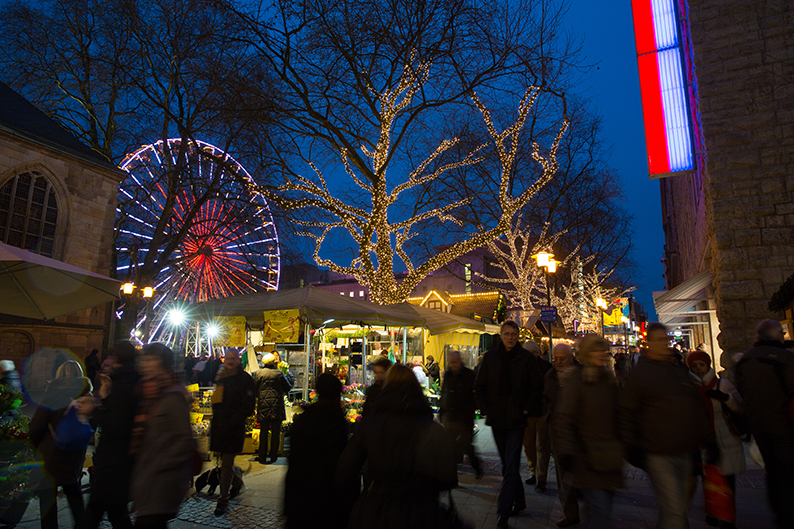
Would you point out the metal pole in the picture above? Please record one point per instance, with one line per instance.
(405, 343)
(551, 323)
(308, 342)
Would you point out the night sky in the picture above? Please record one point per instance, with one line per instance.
(608, 41)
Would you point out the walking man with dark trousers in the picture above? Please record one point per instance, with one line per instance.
(233, 402)
(457, 408)
(508, 391)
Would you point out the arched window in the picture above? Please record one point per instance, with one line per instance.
(29, 213)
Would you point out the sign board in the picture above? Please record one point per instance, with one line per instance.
(548, 314)
(231, 331)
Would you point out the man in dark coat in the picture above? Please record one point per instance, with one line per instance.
(379, 367)
(319, 436)
(765, 379)
(457, 408)
(508, 392)
(92, 365)
(110, 490)
(563, 359)
(232, 403)
(663, 421)
(271, 386)
(537, 447)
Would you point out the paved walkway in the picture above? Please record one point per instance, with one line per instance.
(258, 506)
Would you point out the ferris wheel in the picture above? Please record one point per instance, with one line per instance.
(196, 200)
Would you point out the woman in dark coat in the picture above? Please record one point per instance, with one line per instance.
(62, 468)
(271, 386)
(410, 459)
(161, 439)
(113, 463)
(586, 426)
(318, 436)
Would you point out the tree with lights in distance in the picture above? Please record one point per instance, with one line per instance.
(382, 95)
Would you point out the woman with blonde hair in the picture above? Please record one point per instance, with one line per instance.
(586, 422)
(62, 468)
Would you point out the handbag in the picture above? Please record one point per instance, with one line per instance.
(604, 456)
(72, 435)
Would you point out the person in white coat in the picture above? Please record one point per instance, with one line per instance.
(719, 394)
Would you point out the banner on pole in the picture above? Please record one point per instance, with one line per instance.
(282, 326)
(231, 331)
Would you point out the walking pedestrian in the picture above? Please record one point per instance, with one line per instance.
(409, 457)
(318, 437)
(62, 468)
(719, 481)
(271, 387)
(379, 367)
(233, 401)
(563, 359)
(162, 441)
(590, 451)
(663, 422)
(508, 391)
(456, 409)
(113, 463)
(537, 447)
(433, 369)
(765, 379)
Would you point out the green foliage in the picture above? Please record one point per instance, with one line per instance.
(16, 455)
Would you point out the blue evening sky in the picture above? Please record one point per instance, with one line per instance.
(608, 40)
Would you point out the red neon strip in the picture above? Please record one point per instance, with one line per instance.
(653, 114)
(643, 26)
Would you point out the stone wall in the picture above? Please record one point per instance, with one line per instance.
(87, 199)
(744, 59)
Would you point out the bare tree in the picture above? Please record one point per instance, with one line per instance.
(372, 99)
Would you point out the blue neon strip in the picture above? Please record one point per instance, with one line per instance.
(676, 121)
(664, 24)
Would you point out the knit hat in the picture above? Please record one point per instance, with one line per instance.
(698, 355)
(269, 358)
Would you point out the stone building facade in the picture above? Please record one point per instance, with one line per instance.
(744, 63)
(80, 191)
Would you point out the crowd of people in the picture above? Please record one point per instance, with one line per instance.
(657, 409)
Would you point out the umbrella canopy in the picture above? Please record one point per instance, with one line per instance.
(34, 286)
(317, 305)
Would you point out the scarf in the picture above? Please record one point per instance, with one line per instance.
(703, 387)
(149, 390)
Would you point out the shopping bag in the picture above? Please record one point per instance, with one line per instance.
(718, 495)
(72, 434)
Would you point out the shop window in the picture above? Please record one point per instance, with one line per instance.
(29, 213)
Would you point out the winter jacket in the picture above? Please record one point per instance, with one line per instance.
(318, 437)
(585, 425)
(433, 371)
(765, 380)
(112, 461)
(271, 386)
(457, 397)
(65, 467)
(661, 411)
(163, 466)
(92, 366)
(732, 460)
(410, 460)
(227, 428)
(371, 398)
(509, 387)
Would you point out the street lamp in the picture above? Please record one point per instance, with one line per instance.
(546, 261)
(601, 304)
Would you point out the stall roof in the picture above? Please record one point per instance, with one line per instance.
(317, 306)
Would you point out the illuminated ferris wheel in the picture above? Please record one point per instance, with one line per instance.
(222, 233)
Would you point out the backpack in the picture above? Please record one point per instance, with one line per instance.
(71, 434)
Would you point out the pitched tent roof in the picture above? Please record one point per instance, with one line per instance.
(317, 305)
(21, 117)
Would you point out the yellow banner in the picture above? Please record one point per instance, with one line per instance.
(613, 316)
(282, 326)
(192, 388)
(196, 418)
(231, 331)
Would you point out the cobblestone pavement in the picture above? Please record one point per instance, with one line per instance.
(634, 507)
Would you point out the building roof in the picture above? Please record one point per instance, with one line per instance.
(482, 304)
(21, 117)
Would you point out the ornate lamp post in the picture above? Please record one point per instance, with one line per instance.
(546, 261)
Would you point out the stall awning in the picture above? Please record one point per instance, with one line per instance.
(317, 305)
(680, 305)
